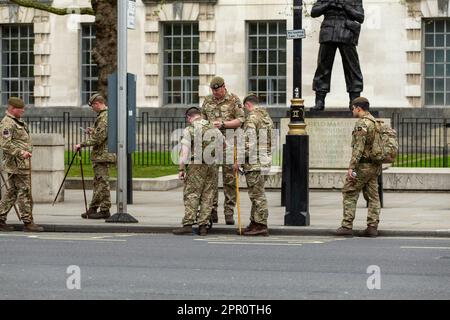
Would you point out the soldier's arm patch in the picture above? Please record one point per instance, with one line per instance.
(360, 131)
(6, 133)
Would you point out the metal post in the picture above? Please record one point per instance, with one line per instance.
(445, 153)
(122, 107)
(121, 188)
(297, 143)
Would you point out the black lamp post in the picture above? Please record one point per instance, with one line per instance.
(296, 150)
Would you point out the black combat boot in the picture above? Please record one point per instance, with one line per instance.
(183, 230)
(371, 232)
(102, 214)
(251, 226)
(214, 216)
(259, 230)
(343, 231)
(5, 227)
(32, 227)
(320, 101)
(202, 230)
(91, 211)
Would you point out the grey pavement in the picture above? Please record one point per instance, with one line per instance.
(404, 214)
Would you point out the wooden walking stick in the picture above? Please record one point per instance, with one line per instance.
(65, 176)
(82, 182)
(6, 186)
(238, 200)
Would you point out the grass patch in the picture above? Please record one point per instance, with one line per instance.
(139, 158)
(148, 167)
(421, 161)
(138, 171)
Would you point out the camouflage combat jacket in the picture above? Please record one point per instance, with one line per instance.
(98, 140)
(362, 139)
(227, 109)
(258, 129)
(201, 133)
(15, 139)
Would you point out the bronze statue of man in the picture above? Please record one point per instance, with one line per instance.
(339, 30)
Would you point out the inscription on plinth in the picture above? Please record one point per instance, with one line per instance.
(329, 141)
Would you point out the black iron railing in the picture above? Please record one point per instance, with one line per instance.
(423, 142)
(156, 137)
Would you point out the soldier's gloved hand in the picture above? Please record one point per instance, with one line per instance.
(26, 154)
(181, 175)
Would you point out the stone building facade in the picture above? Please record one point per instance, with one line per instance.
(178, 46)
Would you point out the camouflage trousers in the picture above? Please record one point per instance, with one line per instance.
(18, 190)
(367, 179)
(229, 191)
(255, 184)
(102, 195)
(199, 187)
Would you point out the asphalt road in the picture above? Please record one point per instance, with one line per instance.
(162, 266)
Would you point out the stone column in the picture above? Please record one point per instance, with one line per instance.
(47, 167)
(207, 48)
(42, 50)
(413, 26)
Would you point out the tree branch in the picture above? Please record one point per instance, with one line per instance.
(59, 11)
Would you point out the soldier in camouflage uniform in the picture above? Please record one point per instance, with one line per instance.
(224, 110)
(258, 128)
(366, 172)
(101, 160)
(200, 174)
(16, 145)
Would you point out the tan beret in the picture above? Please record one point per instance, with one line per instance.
(251, 94)
(216, 82)
(192, 110)
(358, 101)
(93, 98)
(16, 102)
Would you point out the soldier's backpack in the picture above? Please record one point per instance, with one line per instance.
(385, 143)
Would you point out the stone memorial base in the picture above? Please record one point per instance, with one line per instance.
(329, 140)
(394, 179)
(47, 166)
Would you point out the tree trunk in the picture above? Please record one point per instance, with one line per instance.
(105, 51)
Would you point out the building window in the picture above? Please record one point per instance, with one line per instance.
(267, 61)
(437, 62)
(181, 60)
(17, 61)
(89, 70)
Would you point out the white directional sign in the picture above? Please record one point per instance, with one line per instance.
(131, 19)
(295, 34)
